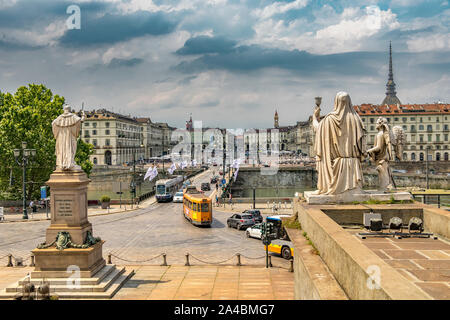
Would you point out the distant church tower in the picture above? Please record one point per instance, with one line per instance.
(391, 94)
(275, 120)
(189, 126)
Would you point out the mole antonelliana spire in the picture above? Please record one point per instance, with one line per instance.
(391, 94)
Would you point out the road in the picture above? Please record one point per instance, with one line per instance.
(139, 235)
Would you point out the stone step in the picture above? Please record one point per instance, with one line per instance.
(96, 279)
(114, 283)
(100, 287)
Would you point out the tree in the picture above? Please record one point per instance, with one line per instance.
(84, 150)
(27, 116)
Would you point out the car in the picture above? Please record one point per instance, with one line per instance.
(205, 186)
(240, 221)
(214, 179)
(256, 214)
(178, 197)
(254, 231)
(205, 167)
(284, 248)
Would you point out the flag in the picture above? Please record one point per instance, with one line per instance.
(235, 174)
(236, 163)
(153, 174)
(172, 168)
(148, 173)
(194, 163)
(183, 164)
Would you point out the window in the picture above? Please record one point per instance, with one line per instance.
(413, 156)
(445, 127)
(445, 137)
(107, 124)
(86, 124)
(405, 128)
(395, 119)
(404, 119)
(205, 207)
(95, 160)
(421, 138)
(94, 124)
(438, 138)
(413, 138)
(107, 142)
(421, 156)
(421, 127)
(86, 133)
(372, 128)
(94, 142)
(107, 132)
(413, 118)
(446, 156)
(429, 137)
(429, 127)
(372, 120)
(405, 156)
(420, 119)
(94, 132)
(430, 157)
(413, 128)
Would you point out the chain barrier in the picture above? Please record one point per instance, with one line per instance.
(212, 263)
(253, 258)
(136, 261)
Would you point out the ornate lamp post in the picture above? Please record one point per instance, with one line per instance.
(23, 161)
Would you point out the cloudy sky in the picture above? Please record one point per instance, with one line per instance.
(230, 63)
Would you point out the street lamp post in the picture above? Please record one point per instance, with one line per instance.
(26, 154)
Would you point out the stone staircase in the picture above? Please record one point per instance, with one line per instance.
(103, 285)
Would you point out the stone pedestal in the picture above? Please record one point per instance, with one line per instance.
(68, 213)
(350, 197)
(54, 263)
(68, 205)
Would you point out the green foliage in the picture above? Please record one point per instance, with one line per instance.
(84, 150)
(27, 115)
(105, 199)
(314, 249)
(291, 223)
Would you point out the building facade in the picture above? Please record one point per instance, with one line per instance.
(426, 127)
(119, 139)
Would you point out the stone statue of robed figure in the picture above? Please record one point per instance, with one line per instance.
(339, 148)
(66, 129)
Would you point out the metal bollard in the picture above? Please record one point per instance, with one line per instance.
(291, 268)
(10, 264)
(270, 261)
(109, 258)
(239, 259)
(32, 261)
(164, 260)
(187, 260)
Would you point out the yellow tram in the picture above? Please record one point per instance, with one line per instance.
(197, 208)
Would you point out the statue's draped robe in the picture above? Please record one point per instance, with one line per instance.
(339, 149)
(66, 129)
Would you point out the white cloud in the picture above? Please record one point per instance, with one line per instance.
(362, 26)
(279, 7)
(431, 42)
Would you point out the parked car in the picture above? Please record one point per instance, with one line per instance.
(214, 179)
(205, 186)
(254, 231)
(240, 221)
(256, 214)
(281, 247)
(178, 197)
